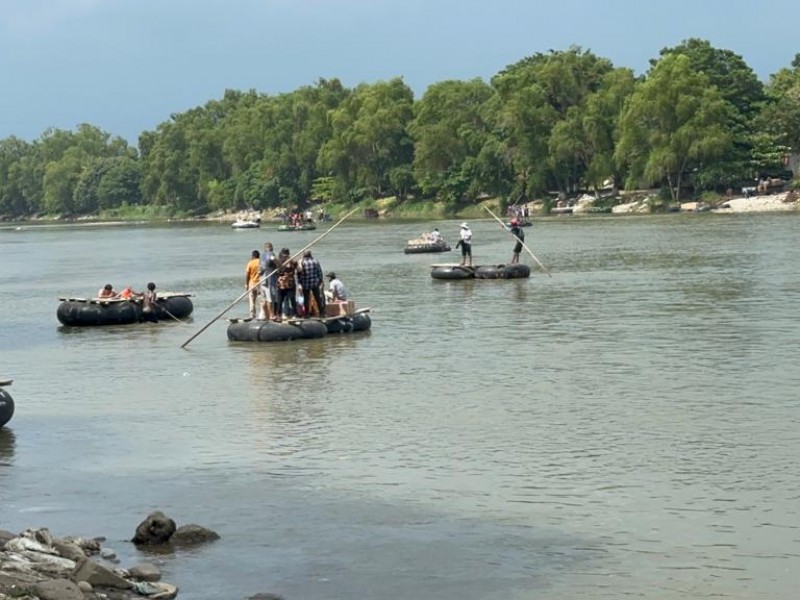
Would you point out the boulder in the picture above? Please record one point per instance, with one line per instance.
(58, 589)
(191, 535)
(156, 529)
(5, 536)
(145, 572)
(99, 576)
(68, 550)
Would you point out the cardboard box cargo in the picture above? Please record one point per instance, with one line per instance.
(340, 308)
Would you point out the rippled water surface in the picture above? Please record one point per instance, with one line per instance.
(625, 428)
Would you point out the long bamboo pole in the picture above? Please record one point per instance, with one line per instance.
(519, 240)
(294, 256)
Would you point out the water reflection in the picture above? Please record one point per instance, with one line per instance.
(7, 443)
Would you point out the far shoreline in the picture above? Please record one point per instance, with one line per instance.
(785, 202)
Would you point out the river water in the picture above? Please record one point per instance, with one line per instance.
(625, 428)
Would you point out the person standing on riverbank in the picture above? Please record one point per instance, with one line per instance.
(252, 279)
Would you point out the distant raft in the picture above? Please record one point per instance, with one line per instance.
(420, 246)
(251, 330)
(81, 312)
(455, 271)
(308, 226)
(6, 403)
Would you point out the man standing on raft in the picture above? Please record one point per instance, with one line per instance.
(465, 242)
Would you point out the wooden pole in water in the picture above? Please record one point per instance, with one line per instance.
(294, 256)
(519, 240)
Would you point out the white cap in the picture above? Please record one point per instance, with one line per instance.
(464, 226)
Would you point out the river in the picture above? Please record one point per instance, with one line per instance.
(625, 428)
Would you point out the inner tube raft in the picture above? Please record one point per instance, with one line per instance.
(6, 403)
(94, 312)
(249, 330)
(453, 271)
(515, 271)
(419, 247)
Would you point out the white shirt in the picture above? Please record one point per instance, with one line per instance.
(466, 235)
(337, 290)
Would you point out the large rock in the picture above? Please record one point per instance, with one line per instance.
(99, 576)
(145, 572)
(5, 536)
(58, 589)
(191, 535)
(69, 550)
(156, 529)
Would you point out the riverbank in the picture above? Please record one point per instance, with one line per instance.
(390, 209)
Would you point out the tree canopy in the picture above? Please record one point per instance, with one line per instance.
(554, 122)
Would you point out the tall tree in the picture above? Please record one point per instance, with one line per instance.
(743, 94)
(535, 94)
(369, 137)
(673, 122)
(449, 131)
(587, 135)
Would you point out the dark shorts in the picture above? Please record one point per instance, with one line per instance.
(517, 247)
(466, 249)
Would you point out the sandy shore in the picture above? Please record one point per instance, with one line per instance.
(773, 203)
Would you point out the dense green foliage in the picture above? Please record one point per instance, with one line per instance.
(698, 121)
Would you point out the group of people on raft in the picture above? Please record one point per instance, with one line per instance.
(148, 297)
(288, 288)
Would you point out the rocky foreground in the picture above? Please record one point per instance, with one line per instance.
(35, 565)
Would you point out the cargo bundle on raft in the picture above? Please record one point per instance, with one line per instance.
(169, 306)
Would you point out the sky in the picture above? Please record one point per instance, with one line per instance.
(127, 65)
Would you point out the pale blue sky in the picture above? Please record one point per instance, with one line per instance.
(126, 65)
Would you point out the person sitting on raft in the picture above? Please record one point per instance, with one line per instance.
(127, 293)
(107, 291)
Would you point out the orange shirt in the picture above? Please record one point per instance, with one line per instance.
(251, 272)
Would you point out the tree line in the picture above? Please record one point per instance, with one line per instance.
(698, 119)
